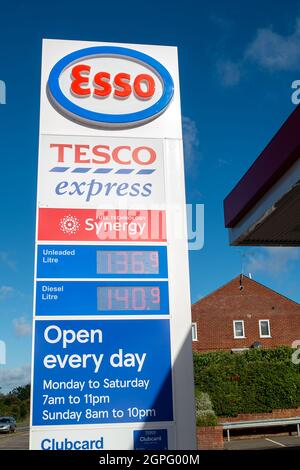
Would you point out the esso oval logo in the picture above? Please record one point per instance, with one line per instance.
(110, 87)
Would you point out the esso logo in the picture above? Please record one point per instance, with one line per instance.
(121, 85)
(110, 87)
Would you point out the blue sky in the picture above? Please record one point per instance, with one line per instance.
(237, 63)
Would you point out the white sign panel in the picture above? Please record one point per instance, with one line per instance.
(59, 116)
(112, 356)
(104, 438)
(93, 172)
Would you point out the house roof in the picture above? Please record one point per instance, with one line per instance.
(243, 280)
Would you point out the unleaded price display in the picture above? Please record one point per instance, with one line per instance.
(127, 262)
(92, 261)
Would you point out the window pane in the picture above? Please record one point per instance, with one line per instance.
(264, 328)
(194, 331)
(238, 328)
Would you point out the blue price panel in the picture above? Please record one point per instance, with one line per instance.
(102, 298)
(92, 261)
(102, 371)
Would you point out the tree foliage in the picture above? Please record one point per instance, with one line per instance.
(16, 403)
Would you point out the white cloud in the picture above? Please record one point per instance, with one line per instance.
(268, 49)
(271, 261)
(11, 378)
(229, 72)
(275, 51)
(222, 162)
(6, 259)
(22, 327)
(190, 141)
(5, 291)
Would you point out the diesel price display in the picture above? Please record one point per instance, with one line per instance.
(128, 298)
(96, 297)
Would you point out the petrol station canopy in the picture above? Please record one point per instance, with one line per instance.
(264, 207)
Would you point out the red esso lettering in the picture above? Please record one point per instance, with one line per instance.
(104, 84)
(102, 154)
(80, 80)
(149, 86)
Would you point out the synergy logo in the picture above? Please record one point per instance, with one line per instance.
(110, 87)
(69, 224)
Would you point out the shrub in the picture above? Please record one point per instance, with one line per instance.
(205, 415)
(254, 381)
(207, 420)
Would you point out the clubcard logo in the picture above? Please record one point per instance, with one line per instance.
(110, 87)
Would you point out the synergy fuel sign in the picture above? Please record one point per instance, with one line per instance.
(112, 362)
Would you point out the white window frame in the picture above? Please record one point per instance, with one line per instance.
(194, 329)
(239, 350)
(260, 334)
(234, 334)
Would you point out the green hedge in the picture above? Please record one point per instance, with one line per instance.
(254, 381)
(16, 403)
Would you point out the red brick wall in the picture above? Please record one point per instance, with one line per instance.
(215, 313)
(275, 414)
(210, 438)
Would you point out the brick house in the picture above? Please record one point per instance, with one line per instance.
(244, 313)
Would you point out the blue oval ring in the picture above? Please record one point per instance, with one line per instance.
(113, 119)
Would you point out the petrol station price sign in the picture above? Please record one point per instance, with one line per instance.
(112, 360)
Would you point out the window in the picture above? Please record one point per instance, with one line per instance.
(194, 332)
(239, 350)
(238, 329)
(264, 329)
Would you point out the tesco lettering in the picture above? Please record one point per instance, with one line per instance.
(103, 84)
(102, 154)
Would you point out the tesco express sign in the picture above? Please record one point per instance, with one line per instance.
(110, 87)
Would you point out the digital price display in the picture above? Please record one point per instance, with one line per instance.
(127, 262)
(91, 261)
(94, 297)
(123, 298)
